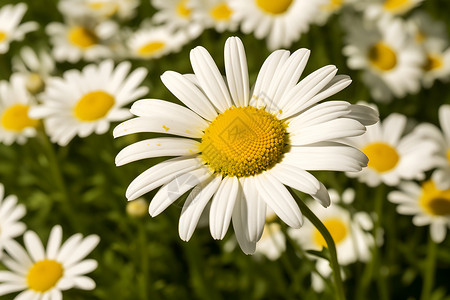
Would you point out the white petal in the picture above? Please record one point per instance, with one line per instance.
(363, 114)
(18, 253)
(54, 242)
(393, 127)
(438, 231)
(7, 288)
(236, 71)
(84, 267)
(295, 177)
(69, 245)
(80, 252)
(322, 196)
(240, 225)
(256, 209)
(84, 283)
(34, 245)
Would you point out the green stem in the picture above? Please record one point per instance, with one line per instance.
(430, 266)
(330, 244)
(144, 263)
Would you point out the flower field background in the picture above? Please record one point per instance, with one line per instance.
(79, 187)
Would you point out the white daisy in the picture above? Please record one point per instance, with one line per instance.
(178, 15)
(44, 273)
(15, 101)
(441, 158)
(273, 242)
(423, 27)
(428, 204)
(10, 214)
(74, 41)
(36, 67)
(280, 22)
(376, 8)
(328, 8)
(392, 62)
(248, 145)
(350, 234)
(83, 102)
(154, 42)
(392, 155)
(99, 9)
(10, 30)
(217, 14)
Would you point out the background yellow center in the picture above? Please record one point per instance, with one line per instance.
(82, 37)
(337, 229)
(382, 57)
(434, 201)
(382, 157)
(44, 275)
(151, 48)
(274, 7)
(93, 106)
(15, 118)
(221, 12)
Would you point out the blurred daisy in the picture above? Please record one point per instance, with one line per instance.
(75, 41)
(83, 102)
(15, 101)
(423, 27)
(441, 158)
(151, 43)
(392, 155)
(178, 15)
(279, 22)
(428, 204)
(99, 9)
(328, 8)
(273, 242)
(217, 14)
(350, 234)
(376, 8)
(247, 145)
(10, 30)
(10, 214)
(43, 273)
(36, 67)
(391, 61)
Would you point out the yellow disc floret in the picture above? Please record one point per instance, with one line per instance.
(44, 275)
(93, 106)
(433, 62)
(221, 12)
(151, 48)
(382, 57)
(15, 118)
(274, 7)
(397, 6)
(243, 141)
(382, 157)
(435, 201)
(82, 37)
(337, 229)
(3, 36)
(183, 10)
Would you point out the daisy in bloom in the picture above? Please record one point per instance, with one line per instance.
(154, 42)
(376, 8)
(427, 203)
(273, 242)
(83, 102)
(392, 155)
(349, 233)
(217, 14)
(280, 22)
(99, 9)
(44, 273)
(10, 214)
(391, 60)
(329, 8)
(10, 30)
(241, 147)
(15, 101)
(74, 41)
(441, 158)
(178, 15)
(35, 67)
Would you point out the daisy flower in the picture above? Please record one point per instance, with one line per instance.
(99, 9)
(328, 8)
(178, 15)
(35, 67)
(15, 101)
(392, 155)
(280, 22)
(273, 242)
(155, 42)
(44, 273)
(423, 27)
(349, 233)
(391, 60)
(10, 30)
(74, 41)
(376, 8)
(10, 214)
(83, 102)
(428, 204)
(217, 14)
(441, 158)
(240, 147)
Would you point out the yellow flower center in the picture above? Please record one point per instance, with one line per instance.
(15, 118)
(44, 275)
(34, 83)
(332, 5)
(397, 6)
(382, 157)
(3, 36)
(337, 229)
(221, 12)
(448, 156)
(433, 62)
(382, 57)
(243, 141)
(93, 106)
(151, 48)
(109, 8)
(82, 37)
(182, 9)
(434, 201)
(420, 37)
(274, 7)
